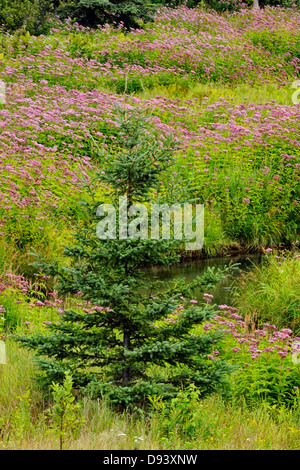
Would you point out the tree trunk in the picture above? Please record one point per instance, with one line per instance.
(126, 370)
(255, 5)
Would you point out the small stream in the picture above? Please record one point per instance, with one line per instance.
(223, 292)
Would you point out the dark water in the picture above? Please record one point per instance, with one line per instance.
(223, 292)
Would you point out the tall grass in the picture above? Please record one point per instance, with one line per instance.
(212, 92)
(7, 256)
(271, 292)
(224, 424)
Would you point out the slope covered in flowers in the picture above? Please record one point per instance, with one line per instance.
(189, 68)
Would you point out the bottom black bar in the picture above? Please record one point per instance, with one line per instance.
(137, 459)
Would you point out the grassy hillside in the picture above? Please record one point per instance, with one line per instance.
(219, 83)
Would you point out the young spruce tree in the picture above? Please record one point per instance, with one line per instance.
(138, 338)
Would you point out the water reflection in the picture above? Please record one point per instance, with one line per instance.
(223, 292)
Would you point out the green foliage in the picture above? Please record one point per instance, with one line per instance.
(247, 202)
(80, 45)
(64, 414)
(224, 5)
(263, 355)
(32, 15)
(274, 283)
(264, 377)
(183, 416)
(6, 255)
(98, 12)
(21, 417)
(267, 379)
(176, 3)
(279, 3)
(12, 315)
(283, 42)
(235, 5)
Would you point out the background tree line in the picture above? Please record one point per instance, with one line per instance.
(34, 15)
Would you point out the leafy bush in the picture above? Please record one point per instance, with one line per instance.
(184, 416)
(28, 14)
(64, 414)
(94, 12)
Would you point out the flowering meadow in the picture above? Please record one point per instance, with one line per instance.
(194, 71)
(223, 85)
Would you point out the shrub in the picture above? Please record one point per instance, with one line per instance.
(64, 414)
(183, 417)
(94, 12)
(27, 14)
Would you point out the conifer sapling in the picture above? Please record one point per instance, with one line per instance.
(137, 336)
